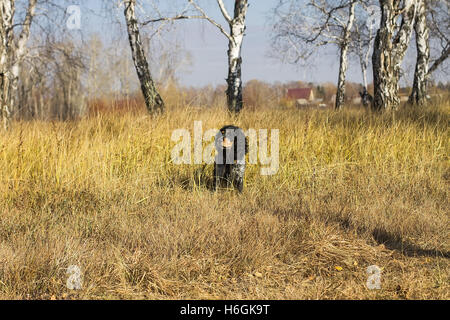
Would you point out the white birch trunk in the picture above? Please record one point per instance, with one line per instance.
(153, 100)
(343, 63)
(389, 50)
(234, 80)
(419, 90)
(19, 53)
(366, 98)
(6, 38)
(364, 75)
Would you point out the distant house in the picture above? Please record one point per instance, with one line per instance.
(302, 96)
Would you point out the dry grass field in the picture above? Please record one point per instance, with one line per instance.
(353, 189)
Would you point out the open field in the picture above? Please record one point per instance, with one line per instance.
(354, 189)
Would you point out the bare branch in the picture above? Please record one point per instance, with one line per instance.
(178, 17)
(224, 11)
(202, 15)
(214, 23)
(25, 33)
(439, 60)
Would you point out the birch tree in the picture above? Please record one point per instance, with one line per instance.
(152, 98)
(390, 46)
(6, 34)
(343, 61)
(363, 36)
(235, 35)
(419, 90)
(303, 27)
(432, 21)
(20, 51)
(11, 54)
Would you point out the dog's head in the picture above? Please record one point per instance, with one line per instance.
(231, 140)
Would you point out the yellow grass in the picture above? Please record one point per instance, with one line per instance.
(354, 189)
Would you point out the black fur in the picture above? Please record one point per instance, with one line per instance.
(229, 166)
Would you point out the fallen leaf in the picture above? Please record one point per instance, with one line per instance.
(311, 278)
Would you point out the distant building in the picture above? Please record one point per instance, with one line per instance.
(302, 96)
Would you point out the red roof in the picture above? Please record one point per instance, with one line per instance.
(301, 93)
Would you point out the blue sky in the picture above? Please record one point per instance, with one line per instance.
(208, 46)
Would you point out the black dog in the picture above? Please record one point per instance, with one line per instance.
(232, 146)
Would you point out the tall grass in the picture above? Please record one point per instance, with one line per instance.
(353, 189)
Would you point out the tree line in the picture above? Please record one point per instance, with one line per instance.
(379, 31)
(376, 32)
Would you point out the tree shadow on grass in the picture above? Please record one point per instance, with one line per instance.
(395, 242)
(389, 240)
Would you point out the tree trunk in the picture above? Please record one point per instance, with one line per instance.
(343, 63)
(340, 93)
(389, 50)
(19, 53)
(385, 92)
(364, 75)
(364, 56)
(6, 38)
(366, 98)
(419, 90)
(153, 100)
(234, 80)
